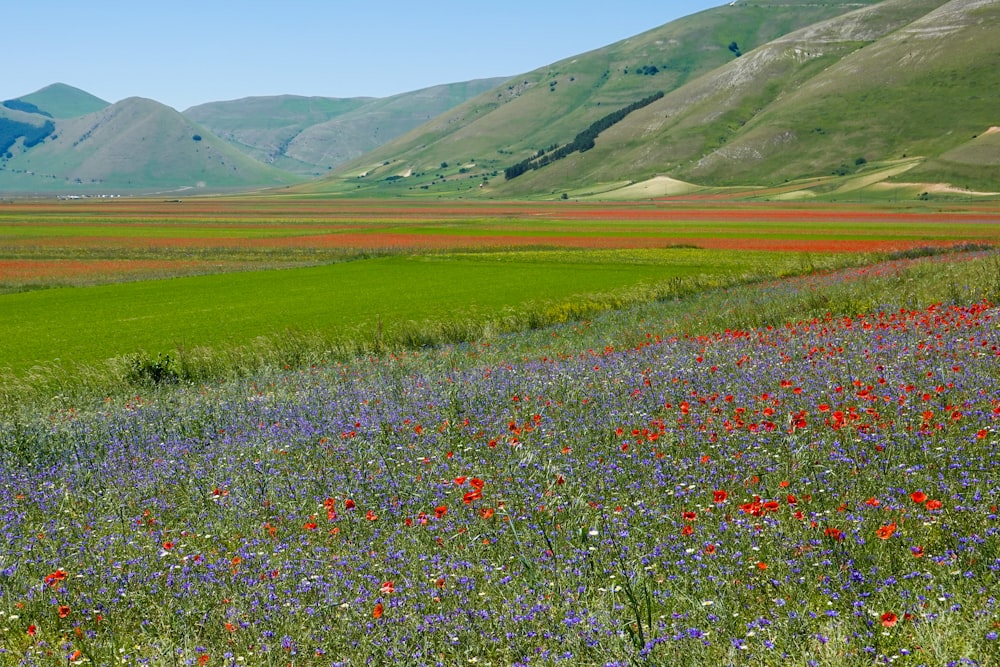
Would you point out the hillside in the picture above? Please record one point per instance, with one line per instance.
(263, 127)
(135, 145)
(757, 94)
(783, 98)
(309, 135)
(60, 101)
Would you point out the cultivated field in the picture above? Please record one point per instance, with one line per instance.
(686, 456)
(363, 275)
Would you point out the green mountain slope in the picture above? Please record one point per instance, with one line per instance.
(551, 105)
(309, 135)
(849, 95)
(136, 145)
(368, 127)
(63, 101)
(920, 90)
(263, 127)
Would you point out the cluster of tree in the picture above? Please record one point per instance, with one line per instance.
(583, 141)
(735, 48)
(12, 130)
(648, 70)
(27, 107)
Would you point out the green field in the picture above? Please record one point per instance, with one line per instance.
(349, 302)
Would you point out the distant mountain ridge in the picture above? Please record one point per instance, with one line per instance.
(785, 98)
(61, 138)
(133, 145)
(60, 100)
(312, 134)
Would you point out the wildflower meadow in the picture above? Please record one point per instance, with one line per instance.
(809, 486)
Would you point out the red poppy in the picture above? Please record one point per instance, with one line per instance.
(377, 611)
(687, 530)
(917, 551)
(371, 516)
(477, 483)
(835, 533)
(440, 511)
(486, 512)
(690, 516)
(710, 548)
(885, 532)
(918, 497)
(719, 496)
(55, 577)
(203, 659)
(761, 565)
(933, 504)
(889, 619)
(460, 480)
(349, 504)
(472, 495)
(63, 611)
(32, 630)
(388, 588)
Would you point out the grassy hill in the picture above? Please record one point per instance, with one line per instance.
(309, 135)
(552, 104)
(135, 145)
(835, 95)
(263, 127)
(63, 101)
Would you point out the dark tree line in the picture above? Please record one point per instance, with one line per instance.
(583, 141)
(27, 107)
(12, 130)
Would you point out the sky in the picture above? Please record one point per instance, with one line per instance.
(183, 53)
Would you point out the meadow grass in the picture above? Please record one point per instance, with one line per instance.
(218, 325)
(707, 479)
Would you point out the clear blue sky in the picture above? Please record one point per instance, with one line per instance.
(184, 53)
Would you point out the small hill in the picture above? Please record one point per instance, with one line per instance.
(62, 101)
(309, 135)
(136, 145)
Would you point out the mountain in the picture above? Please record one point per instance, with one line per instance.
(784, 98)
(59, 101)
(309, 135)
(263, 127)
(847, 94)
(135, 145)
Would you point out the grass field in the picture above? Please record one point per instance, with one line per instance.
(120, 289)
(797, 472)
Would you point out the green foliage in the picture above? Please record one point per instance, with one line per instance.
(144, 369)
(27, 107)
(12, 130)
(583, 141)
